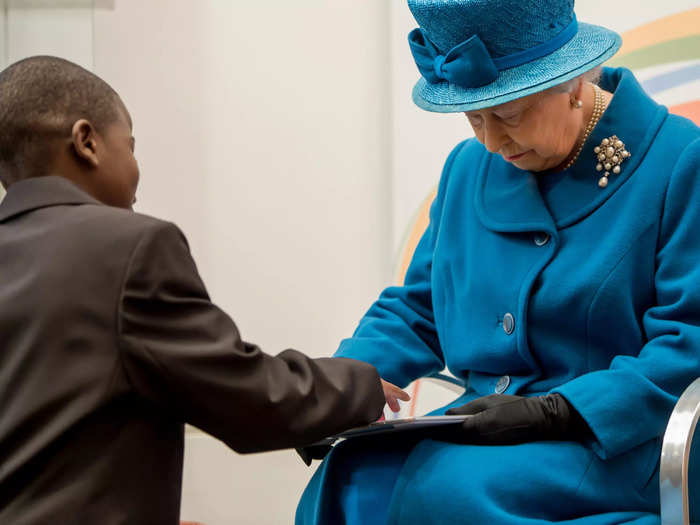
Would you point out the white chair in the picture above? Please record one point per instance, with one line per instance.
(675, 457)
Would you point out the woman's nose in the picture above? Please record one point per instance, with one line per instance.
(494, 137)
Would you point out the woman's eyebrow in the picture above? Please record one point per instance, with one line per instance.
(511, 110)
(507, 113)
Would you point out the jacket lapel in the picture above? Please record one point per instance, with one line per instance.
(40, 192)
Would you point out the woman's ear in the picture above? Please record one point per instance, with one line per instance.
(84, 140)
(577, 94)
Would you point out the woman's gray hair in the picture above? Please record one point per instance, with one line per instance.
(592, 76)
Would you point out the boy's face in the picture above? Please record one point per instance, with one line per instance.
(117, 175)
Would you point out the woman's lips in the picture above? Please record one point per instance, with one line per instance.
(515, 157)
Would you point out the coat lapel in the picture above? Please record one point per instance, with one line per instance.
(635, 119)
(509, 200)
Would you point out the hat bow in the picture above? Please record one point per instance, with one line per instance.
(469, 63)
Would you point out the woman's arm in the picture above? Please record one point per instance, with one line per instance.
(630, 402)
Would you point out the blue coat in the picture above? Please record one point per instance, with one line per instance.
(546, 284)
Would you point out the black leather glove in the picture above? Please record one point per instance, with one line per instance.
(311, 452)
(500, 419)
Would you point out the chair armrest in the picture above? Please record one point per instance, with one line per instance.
(448, 382)
(675, 455)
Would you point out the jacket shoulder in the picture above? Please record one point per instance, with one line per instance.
(106, 233)
(678, 132)
(466, 154)
(466, 150)
(684, 126)
(115, 223)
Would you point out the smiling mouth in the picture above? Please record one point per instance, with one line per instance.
(514, 157)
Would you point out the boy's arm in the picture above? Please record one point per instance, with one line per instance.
(185, 355)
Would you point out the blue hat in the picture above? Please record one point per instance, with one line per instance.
(474, 54)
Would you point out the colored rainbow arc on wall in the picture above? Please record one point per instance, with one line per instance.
(664, 54)
(671, 46)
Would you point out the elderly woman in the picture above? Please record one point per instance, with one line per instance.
(559, 278)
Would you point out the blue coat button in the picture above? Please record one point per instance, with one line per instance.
(508, 323)
(541, 238)
(502, 384)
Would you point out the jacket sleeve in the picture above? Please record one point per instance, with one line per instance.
(398, 333)
(642, 390)
(184, 355)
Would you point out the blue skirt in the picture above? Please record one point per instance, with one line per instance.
(383, 480)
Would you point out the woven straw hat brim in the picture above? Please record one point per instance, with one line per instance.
(591, 46)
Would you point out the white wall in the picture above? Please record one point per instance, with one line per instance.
(262, 129)
(420, 140)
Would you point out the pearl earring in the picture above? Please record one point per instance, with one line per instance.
(578, 103)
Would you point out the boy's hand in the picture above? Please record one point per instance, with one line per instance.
(392, 394)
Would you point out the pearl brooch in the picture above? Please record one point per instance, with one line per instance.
(611, 154)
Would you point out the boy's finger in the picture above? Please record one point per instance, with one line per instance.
(396, 391)
(393, 404)
(403, 395)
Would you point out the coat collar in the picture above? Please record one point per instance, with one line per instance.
(40, 192)
(508, 199)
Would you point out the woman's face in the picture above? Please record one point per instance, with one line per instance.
(534, 133)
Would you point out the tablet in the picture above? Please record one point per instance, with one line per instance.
(395, 425)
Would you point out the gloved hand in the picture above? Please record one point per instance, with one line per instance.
(501, 419)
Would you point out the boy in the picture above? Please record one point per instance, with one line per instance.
(109, 340)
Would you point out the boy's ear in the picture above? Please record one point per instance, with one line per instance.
(84, 140)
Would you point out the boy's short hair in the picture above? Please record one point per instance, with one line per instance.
(41, 98)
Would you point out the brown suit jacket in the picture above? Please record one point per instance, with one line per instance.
(109, 344)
